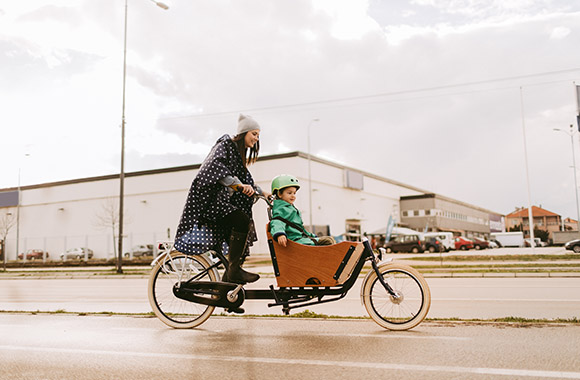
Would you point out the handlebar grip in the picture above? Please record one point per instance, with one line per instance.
(240, 188)
(237, 187)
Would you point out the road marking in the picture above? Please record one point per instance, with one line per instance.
(505, 299)
(393, 336)
(325, 363)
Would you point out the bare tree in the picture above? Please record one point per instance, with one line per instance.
(7, 221)
(108, 218)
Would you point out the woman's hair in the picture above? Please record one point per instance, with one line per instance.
(249, 155)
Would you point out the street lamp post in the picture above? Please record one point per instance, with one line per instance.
(310, 178)
(122, 173)
(18, 220)
(571, 134)
(18, 214)
(530, 216)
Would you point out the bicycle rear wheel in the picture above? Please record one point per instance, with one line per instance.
(397, 313)
(173, 311)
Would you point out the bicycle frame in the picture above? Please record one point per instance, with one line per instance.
(229, 295)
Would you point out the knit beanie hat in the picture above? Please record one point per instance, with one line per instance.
(246, 124)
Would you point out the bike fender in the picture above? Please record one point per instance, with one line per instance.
(164, 247)
(155, 260)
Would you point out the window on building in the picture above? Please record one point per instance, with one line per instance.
(353, 229)
(353, 179)
(9, 199)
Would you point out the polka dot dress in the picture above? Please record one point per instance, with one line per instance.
(208, 201)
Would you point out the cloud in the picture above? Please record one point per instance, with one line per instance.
(439, 120)
(560, 32)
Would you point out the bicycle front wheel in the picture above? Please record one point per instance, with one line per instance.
(405, 310)
(173, 311)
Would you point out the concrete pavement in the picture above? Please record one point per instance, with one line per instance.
(95, 347)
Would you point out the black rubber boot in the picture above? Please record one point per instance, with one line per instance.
(235, 273)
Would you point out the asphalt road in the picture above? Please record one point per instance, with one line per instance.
(465, 298)
(99, 347)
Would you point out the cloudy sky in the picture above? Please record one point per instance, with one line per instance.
(433, 93)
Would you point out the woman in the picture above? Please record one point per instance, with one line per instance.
(214, 213)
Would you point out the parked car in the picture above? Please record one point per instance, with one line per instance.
(433, 244)
(77, 254)
(405, 243)
(445, 237)
(538, 241)
(479, 243)
(573, 245)
(493, 244)
(34, 254)
(462, 243)
(141, 250)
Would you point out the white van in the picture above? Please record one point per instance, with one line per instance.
(509, 239)
(445, 237)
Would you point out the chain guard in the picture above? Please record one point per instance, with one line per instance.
(210, 293)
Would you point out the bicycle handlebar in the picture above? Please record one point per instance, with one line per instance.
(264, 198)
(256, 196)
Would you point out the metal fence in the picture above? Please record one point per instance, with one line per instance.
(104, 246)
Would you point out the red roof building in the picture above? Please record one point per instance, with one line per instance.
(543, 220)
(570, 224)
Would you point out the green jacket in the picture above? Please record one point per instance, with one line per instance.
(289, 212)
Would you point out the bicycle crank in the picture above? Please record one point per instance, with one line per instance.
(212, 293)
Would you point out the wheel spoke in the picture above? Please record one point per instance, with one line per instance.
(171, 310)
(397, 311)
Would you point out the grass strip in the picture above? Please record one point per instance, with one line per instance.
(307, 314)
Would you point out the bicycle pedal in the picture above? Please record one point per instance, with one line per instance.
(238, 310)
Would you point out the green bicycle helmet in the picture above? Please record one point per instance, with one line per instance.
(283, 181)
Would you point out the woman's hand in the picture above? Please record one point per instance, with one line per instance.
(247, 189)
(282, 240)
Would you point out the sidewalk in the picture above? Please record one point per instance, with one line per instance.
(261, 264)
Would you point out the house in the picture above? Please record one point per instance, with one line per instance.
(570, 224)
(543, 220)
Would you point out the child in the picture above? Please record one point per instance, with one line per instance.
(286, 219)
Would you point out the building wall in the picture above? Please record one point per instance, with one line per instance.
(69, 215)
(63, 215)
(548, 223)
(436, 213)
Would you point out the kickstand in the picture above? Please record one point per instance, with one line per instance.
(285, 307)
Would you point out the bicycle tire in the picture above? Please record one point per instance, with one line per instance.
(173, 311)
(396, 314)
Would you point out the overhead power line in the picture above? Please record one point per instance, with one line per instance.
(379, 95)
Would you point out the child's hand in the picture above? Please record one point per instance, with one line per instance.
(282, 240)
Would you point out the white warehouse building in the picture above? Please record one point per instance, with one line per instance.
(80, 213)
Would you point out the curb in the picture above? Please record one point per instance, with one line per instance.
(97, 276)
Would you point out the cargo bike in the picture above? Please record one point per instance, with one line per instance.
(184, 290)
